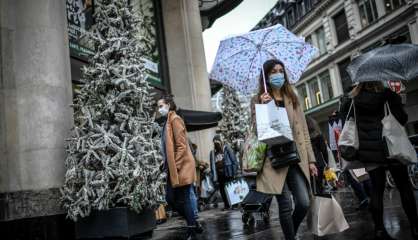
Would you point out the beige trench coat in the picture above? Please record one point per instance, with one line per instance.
(271, 181)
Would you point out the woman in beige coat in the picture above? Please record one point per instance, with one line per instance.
(292, 180)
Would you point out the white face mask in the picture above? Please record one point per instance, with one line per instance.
(164, 110)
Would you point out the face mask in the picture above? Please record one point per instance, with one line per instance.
(164, 110)
(277, 80)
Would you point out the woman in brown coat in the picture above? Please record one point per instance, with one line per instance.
(179, 164)
(292, 180)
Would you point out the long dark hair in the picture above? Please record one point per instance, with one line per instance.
(286, 90)
(169, 99)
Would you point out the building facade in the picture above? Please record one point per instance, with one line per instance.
(341, 30)
(41, 52)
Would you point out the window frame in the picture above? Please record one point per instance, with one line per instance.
(337, 29)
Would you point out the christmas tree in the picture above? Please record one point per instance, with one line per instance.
(113, 153)
(235, 118)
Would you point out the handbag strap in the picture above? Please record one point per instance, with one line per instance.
(387, 109)
(352, 106)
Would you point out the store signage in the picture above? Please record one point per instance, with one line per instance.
(80, 20)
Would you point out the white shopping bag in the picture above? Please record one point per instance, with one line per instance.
(207, 187)
(236, 191)
(397, 141)
(326, 216)
(273, 125)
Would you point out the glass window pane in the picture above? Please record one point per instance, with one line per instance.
(303, 94)
(322, 46)
(315, 92)
(345, 78)
(341, 27)
(327, 92)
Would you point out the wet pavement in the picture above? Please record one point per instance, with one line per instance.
(222, 225)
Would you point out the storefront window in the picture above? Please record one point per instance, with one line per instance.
(303, 94)
(315, 92)
(326, 86)
(368, 12)
(391, 5)
(345, 78)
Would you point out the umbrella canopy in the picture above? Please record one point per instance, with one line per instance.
(240, 58)
(390, 62)
(197, 120)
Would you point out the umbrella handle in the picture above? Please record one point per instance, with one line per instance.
(264, 79)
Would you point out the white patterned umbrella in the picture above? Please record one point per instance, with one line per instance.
(239, 59)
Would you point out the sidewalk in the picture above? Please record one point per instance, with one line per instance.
(223, 225)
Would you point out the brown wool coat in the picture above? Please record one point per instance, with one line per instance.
(271, 181)
(180, 161)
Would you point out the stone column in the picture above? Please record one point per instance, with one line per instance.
(35, 117)
(187, 64)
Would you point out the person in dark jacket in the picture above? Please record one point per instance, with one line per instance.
(319, 147)
(224, 166)
(369, 99)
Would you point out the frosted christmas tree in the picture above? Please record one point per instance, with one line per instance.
(235, 118)
(113, 153)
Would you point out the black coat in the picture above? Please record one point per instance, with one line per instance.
(369, 109)
(320, 150)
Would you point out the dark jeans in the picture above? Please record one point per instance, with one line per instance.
(295, 186)
(184, 201)
(400, 176)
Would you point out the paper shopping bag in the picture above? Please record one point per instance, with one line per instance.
(236, 191)
(273, 125)
(326, 216)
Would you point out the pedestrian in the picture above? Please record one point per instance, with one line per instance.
(369, 99)
(320, 150)
(224, 166)
(179, 164)
(292, 180)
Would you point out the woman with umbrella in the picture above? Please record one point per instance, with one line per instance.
(292, 180)
(392, 61)
(369, 100)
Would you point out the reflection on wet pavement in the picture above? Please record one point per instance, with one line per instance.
(222, 225)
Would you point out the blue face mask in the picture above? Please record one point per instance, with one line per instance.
(277, 80)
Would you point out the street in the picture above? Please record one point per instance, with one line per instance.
(224, 225)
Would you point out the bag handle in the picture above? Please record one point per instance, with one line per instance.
(352, 106)
(387, 109)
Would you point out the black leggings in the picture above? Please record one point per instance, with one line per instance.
(400, 176)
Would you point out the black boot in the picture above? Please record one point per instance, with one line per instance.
(199, 228)
(382, 235)
(191, 234)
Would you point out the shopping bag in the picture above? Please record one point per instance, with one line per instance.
(273, 125)
(398, 145)
(236, 191)
(348, 143)
(331, 159)
(346, 165)
(326, 216)
(207, 187)
(359, 174)
(254, 153)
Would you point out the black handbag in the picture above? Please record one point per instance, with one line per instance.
(283, 155)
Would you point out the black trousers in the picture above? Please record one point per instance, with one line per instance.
(400, 176)
(222, 180)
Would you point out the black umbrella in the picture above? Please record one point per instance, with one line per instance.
(387, 63)
(197, 120)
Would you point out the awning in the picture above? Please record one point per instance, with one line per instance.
(197, 120)
(210, 10)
